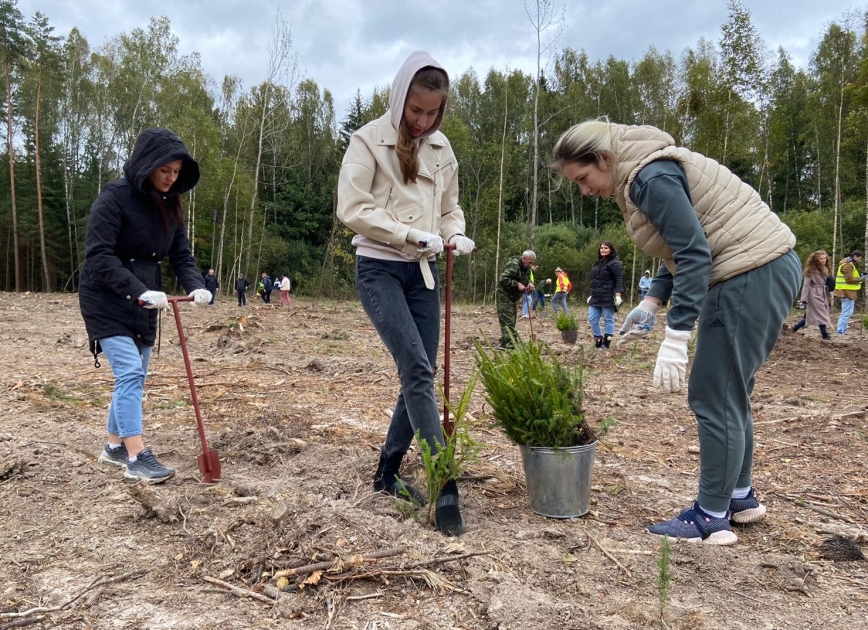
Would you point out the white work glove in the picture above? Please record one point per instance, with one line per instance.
(589, 299)
(670, 373)
(425, 242)
(200, 296)
(463, 245)
(639, 322)
(618, 300)
(154, 299)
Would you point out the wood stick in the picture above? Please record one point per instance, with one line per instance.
(22, 622)
(610, 556)
(237, 591)
(322, 566)
(97, 582)
(427, 563)
(818, 510)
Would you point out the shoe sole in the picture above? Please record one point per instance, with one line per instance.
(150, 480)
(720, 539)
(749, 516)
(104, 459)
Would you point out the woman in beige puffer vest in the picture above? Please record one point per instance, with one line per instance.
(729, 264)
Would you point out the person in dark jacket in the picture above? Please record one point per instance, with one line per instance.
(211, 285)
(134, 223)
(267, 288)
(513, 283)
(606, 288)
(241, 284)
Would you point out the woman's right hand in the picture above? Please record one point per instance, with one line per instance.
(154, 299)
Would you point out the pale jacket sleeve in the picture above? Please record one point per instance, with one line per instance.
(356, 207)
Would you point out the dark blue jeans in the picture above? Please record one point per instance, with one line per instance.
(407, 318)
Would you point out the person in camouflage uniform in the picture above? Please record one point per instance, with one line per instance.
(514, 281)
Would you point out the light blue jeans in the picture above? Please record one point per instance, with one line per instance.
(407, 318)
(847, 306)
(560, 298)
(608, 314)
(525, 303)
(129, 364)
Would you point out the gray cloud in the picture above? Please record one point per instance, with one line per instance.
(348, 44)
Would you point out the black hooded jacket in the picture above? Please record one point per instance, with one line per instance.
(126, 242)
(606, 281)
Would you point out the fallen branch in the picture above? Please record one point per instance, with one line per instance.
(237, 591)
(352, 561)
(95, 584)
(818, 510)
(428, 563)
(22, 623)
(610, 556)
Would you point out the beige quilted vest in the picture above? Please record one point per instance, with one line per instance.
(742, 231)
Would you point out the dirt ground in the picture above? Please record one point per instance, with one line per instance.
(297, 402)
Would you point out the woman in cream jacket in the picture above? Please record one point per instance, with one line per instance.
(398, 191)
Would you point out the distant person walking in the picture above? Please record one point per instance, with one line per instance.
(815, 294)
(241, 284)
(542, 292)
(606, 288)
(563, 286)
(267, 288)
(285, 288)
(644, 285)
(211, 284)
(848, 281)
(513, 284)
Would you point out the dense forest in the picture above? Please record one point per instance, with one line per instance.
(270, 153)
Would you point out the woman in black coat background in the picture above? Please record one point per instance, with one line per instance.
(134, 224)
(606, 288)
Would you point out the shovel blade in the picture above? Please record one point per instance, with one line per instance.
(209, 466)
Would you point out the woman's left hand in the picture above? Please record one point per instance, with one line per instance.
(463, 245)
(618, 299)
(200, 296)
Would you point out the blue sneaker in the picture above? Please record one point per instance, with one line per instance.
(114, 456)
(694, 525)
(746, 510)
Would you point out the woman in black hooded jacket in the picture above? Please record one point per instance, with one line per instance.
(134, 223)
(607, 285)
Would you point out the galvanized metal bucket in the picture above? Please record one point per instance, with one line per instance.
(559, 479)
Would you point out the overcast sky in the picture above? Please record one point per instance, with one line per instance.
(348, 44)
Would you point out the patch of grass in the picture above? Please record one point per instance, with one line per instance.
(53, 392)
(616, 490)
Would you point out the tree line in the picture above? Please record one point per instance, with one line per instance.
(270, 153)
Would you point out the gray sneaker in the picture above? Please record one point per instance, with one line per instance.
(114, 456)
(148, 469)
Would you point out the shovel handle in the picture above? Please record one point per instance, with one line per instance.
(183, 298)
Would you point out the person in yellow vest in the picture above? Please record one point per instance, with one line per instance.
(729, 263)
(563, 286)
(848, 281)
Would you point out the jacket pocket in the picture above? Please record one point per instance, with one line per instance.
(410, 214)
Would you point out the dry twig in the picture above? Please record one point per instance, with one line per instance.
(610, 556)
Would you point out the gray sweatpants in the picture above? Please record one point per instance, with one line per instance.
(739, 324)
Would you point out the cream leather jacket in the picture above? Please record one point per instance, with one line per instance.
(374, 202)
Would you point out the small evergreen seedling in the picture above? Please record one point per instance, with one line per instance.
(664, 573)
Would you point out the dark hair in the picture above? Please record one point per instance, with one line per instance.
(857, 252)
(434, 80)
(169, 205)
(601, 260)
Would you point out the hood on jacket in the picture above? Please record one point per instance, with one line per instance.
(401, 85)
(154, 147)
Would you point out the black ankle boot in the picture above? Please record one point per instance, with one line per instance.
(386, 480)
(606, 341)
(447, 516)
(598, 342)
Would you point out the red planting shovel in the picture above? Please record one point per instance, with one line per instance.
(447, 338)
(209, 461)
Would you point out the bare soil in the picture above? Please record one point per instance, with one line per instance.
(297, 402)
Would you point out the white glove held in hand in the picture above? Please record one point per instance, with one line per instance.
(670, 373)
(200, 296)
(639, 322)
(618, 300)
(154, 299)
(463, 245)
(589, 299)
(426, 242)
